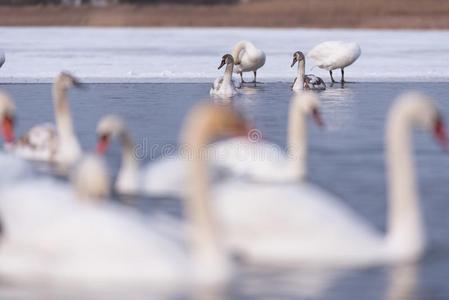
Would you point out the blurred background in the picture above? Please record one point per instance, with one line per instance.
(407, 14)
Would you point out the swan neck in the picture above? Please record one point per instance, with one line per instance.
(299, 84)
(228, 74)
(129, 161)
(237, 49)
(405, 226)
(64, 123)
(297, 140)
(203, 230)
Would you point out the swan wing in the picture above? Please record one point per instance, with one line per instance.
(313, 82)
(285, 223)
(53, 236)
(334, 54)
(39, 143)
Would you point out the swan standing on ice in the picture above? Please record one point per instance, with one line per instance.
(247, 58)
(51, 236)
(303, 224)
(335, 55)
(45, 142)
(224, 86)
(2, 58)
(303, 81)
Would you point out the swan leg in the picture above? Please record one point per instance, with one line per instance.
(342, 76)
(255, 77)
(241, 78)
(332, 78)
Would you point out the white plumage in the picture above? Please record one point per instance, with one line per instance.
(333, 55)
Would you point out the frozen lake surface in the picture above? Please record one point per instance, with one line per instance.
(186, 55)
(345, 158)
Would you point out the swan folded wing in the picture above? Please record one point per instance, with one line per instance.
(39, 143)
(314, 82)
(324, 55)
(293, 224)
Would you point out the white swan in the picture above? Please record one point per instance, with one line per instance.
(2, 58)
(264, 161)
(303, 81)
(247, 58)
(48, 144)
(51, 237)
(224, 86)
(303, 224)
(335, 55)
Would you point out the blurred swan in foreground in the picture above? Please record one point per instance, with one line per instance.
(246, 157)
(303, 81)
(45, 142)
(335, 55)
(247, 58)
(224, 86)
(304, 224)
(53, 237)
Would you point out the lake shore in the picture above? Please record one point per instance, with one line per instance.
(401, 14)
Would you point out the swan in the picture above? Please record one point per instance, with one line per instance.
(46, 143)
(53, 237)
(129, 178)
(303, 224)
(244, 157)
(7, 118)
(333, 55)
(264, 161)
(224, 86)
(2, 58)
(303, 81)
(247, 58)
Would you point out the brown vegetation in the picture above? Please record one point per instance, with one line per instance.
(265, 13)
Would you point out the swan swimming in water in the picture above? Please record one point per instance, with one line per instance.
(303, 81)
(247, 58)
(301, 223)
(335, 55)
(45, 142)
(224, 87)
(54, 237)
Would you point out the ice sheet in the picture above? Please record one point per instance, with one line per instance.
(186, 54)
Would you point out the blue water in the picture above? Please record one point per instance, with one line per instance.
(346, 157)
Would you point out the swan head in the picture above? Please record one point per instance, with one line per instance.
(308, 103)
(7, 116)
(297, 57)
(90, 179)
(65, 81)
(420, 110)
(110, 126)
(226, 60)
(207, 122)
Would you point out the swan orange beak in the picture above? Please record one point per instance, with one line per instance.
(440, 134)
(8, 129)
(102, 145)
(316, 115)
